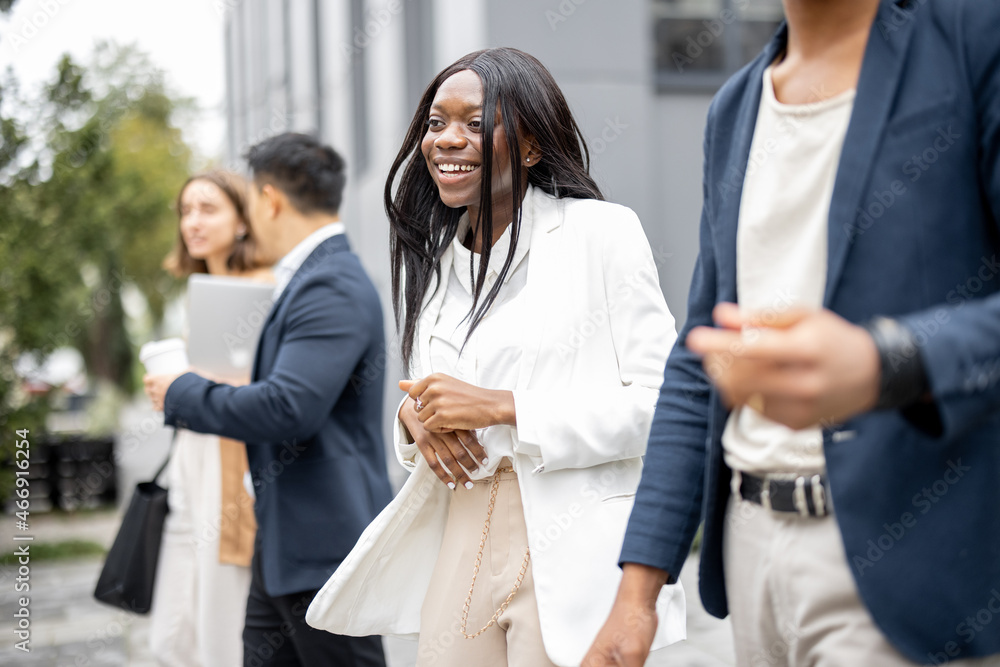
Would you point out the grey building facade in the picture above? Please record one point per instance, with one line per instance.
(639, 75)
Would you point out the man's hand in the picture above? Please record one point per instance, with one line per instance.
(157, 386)
(799, 368)
(452, 405)
(627, 635)
(445, 453)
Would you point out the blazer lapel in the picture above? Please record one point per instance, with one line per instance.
(880, 74)
(324, 249)
(547, 215)
(311, 263)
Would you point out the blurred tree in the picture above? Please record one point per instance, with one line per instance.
(16, 207)
(88, 174)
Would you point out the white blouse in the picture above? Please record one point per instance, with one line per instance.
(492, 356)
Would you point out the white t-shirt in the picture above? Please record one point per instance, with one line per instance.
(781, 252)
(492, 356)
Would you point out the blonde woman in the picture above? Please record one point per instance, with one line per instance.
(204, 570)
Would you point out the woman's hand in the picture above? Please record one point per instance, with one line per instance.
(444, 452)
(452, 405)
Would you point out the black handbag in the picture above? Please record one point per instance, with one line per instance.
(129, 571)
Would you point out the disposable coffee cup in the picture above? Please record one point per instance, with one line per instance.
(164, 357)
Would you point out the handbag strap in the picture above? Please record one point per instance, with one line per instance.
(163, 466)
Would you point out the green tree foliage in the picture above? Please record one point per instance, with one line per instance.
(89, 170)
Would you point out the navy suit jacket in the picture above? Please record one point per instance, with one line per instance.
(913, 234)
(311, 419)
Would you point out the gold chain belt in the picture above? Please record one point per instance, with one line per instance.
(479, 560)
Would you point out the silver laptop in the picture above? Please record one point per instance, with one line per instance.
(225, 317)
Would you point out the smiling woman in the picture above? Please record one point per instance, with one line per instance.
(488, 111)
(524, 435)
(453, 148)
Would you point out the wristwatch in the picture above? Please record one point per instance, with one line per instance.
(903, 376)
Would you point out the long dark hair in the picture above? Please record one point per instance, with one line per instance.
(422, 226)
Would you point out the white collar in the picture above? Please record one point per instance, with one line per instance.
(498, 253)
(290, 263)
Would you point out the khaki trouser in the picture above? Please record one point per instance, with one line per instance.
(516, 638)
(792, 599)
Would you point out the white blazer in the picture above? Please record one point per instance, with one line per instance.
(596, 340)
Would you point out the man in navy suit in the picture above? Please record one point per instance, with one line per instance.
(838, 430)
(311, 416)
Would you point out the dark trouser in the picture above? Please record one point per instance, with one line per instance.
(276, 634)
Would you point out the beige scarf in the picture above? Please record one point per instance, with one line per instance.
(238, 526)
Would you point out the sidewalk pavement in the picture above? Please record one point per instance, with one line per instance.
(70, 629)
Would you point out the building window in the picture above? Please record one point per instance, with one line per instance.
(701, 43)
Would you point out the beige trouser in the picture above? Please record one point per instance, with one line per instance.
(516, 638)
(792, 599)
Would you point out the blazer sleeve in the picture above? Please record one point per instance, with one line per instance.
(668, 503)
(588, 426)
(961, 354)
(407, 452)
(326, 335)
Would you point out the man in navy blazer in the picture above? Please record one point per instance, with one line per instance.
(897, 369)
(311, 416)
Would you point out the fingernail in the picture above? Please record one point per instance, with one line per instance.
(468, 485)
(451, 485)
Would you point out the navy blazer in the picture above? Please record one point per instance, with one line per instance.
(913, 233)
(311, 419)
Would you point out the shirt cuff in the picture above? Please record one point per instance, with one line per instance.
(406, 449)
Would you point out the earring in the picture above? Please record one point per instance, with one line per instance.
(527, 159)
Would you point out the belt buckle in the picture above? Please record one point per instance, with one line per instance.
(736, 484)
(819, 495)
(765, 493)
(799, 496)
